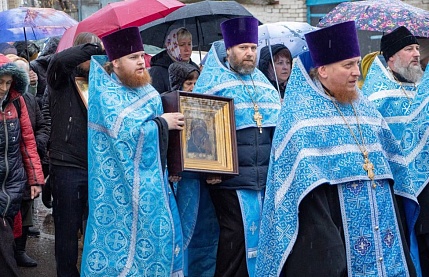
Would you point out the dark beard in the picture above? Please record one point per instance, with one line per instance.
(133, 80)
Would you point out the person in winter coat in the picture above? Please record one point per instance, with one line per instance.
(183, 76)
(68, 149)
(179, 49)
(21, 163)
(278, 72)
(41, 133)
(40, 66)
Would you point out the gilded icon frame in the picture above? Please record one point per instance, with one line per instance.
(213, 152)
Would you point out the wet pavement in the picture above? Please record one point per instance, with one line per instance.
(41, 248)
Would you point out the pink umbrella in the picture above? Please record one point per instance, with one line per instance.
(120, 15)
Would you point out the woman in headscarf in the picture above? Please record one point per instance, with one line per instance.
(278, 74)
(178, 46)
(183, 76)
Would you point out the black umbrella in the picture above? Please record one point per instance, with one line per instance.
(202, 19)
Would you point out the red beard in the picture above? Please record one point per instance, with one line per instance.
(133, 80)
(346, 98)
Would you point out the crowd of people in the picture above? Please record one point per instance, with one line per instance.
(332, 178)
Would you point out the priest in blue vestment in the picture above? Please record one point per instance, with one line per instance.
(335, 171)
(230, 71)
(133, 225)
(392, 80)
(397, 90)
(415, 144)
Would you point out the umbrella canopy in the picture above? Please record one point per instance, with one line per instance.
(28, 23)
(380, 15)
(128, 13)
(202, 19)
(290, 34)
(119, 15)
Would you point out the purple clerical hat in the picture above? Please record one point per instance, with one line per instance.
(239, 30)
(122, 42)
(333, 44)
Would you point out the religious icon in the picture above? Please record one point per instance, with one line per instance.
(199, 143)
(208, 142)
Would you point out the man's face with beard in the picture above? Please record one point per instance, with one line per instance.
(242, 57)
(341, 78)
(406, 62)
(131, 70)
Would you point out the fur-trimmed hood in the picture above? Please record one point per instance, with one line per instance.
(20, 77)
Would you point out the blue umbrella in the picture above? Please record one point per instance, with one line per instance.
(26, 23)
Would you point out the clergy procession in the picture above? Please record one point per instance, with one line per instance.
(267, 151)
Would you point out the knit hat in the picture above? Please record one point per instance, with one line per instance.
(239, 30)
(122, 42)
(333, 44)
(178, 72)
(6, 48)
(395, 41)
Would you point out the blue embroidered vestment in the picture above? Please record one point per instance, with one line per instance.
(217, 79)
(393, 99)
(133, 226)
(313, 146)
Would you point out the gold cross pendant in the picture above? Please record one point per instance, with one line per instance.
(257, 117)
(368, 166)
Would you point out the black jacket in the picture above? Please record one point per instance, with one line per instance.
(41, 131)
(254, 151)
(159, 71)
(40, 66)
(69, 135)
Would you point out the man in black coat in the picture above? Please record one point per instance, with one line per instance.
(68, 150)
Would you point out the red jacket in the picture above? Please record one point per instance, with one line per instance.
(20, 163)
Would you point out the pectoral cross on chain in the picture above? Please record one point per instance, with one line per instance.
(257, 117)
(368, 166)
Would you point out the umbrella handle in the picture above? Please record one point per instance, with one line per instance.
(26, 45)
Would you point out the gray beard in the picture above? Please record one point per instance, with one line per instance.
(411, 73)
(244, 70)
(239, 68)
